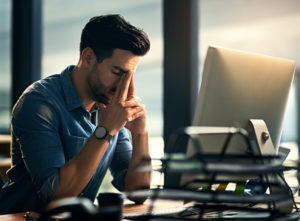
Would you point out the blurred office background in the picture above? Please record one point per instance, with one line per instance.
(268, 27)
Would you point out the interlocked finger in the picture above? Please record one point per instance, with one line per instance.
(137, 115)
(133, 101)
(134, 112)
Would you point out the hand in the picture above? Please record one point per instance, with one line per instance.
(120, 110)
(137, 122)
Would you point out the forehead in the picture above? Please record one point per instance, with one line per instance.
(123, 59)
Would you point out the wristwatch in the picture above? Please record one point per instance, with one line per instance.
(102, 133)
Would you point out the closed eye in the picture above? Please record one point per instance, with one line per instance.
(117, 73)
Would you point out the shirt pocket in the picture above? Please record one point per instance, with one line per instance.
(72, 145)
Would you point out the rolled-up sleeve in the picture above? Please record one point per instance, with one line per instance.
(48, 188)
(121, 160)
(35, 132)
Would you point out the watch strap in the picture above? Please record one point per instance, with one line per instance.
(108, 136)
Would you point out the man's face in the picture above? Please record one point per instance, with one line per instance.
(102, 80)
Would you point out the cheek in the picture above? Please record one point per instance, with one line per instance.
(109, 83)
(107, 79)
(111, 80)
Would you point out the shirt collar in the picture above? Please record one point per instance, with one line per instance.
(71, 97)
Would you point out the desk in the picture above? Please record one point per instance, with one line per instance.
(5, 160)
(12, 217)
(128, 209)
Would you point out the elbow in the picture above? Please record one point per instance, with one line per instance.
(139, 200)
(138, 181)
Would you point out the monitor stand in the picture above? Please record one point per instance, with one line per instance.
(260, 135)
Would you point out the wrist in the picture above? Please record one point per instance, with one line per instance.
(139, 133)
(108, 127)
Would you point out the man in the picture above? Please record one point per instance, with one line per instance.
(68, 129)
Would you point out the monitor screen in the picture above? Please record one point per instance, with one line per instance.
(238, 86)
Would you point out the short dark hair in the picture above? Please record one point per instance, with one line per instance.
(105, 33)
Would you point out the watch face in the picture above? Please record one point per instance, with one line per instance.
(100, 132)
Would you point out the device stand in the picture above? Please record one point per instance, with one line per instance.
(259, 134)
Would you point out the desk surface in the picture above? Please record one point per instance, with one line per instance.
(5, 138)
(129, 208)
(12, 217)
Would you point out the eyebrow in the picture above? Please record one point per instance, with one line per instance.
(121, 69)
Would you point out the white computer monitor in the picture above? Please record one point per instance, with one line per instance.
(237, 86)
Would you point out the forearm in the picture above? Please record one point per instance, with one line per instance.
(76, 173)
(136, 180)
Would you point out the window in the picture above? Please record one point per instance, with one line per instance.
(5, 72)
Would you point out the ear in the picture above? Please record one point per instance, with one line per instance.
(88, 57)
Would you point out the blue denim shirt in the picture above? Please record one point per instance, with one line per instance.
(49, 127)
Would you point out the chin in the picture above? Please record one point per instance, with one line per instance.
(102, 99)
